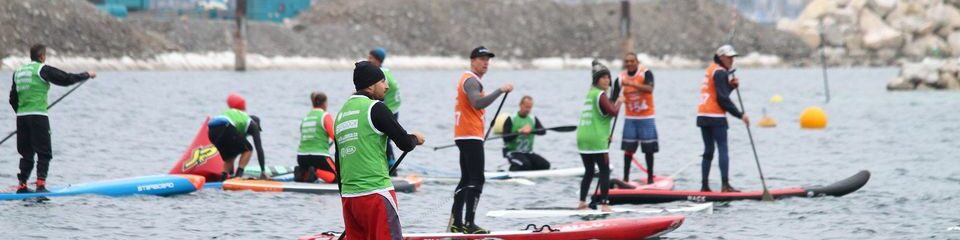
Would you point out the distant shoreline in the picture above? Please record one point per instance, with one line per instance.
(213, 61)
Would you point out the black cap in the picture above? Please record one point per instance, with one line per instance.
(365, 74)
(480, 52)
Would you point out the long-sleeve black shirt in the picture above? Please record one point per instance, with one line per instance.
(383, 120)
(51, 75)
(254, 131)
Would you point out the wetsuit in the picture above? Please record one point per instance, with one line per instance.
(363, 126)
(313, 154)
(392, 100)
(229, 131)
(639, 125)
(518, 150)
(469, 136)
(593, 141)
(712, 120)
(28, 97)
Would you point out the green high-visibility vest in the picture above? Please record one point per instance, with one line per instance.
(523, 142)
(392, 98)
(31, 90)
(313, 134)
(362, 149)
(594, 128)
(239, 119)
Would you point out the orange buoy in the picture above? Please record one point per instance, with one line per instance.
(813, 118)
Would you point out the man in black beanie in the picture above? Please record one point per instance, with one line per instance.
(362, 128)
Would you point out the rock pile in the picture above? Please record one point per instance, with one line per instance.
(536, 28)
(928, 74)
(879, 32)
(70, 28)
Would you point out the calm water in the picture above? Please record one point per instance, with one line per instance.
(128, 124)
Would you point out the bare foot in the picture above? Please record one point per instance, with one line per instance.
(583, 206)
(605, 208)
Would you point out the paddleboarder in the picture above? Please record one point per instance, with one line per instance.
(316, 136)
(229, 131)
(376, 57)
(363, 126)
(639, 127)
(469, 136)
(593, 135)
(715, 103)
(28, 97)
(519, 149)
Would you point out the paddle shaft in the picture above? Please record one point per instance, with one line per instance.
(393, 169)
(488, 129)
(559, 129)
(763, 181)
(48, 107)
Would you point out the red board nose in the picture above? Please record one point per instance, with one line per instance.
(197, 181)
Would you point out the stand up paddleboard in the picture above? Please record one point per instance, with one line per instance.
(159, 185)
(659, 183)
(642, 196)
(409, 184)
(610, 229)
(568, 212)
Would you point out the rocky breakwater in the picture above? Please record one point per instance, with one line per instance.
(928, 74)
(879, 32)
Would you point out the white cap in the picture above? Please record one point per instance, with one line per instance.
(727, 50)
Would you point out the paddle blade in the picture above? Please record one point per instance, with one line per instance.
(570, 128)
(767, 197)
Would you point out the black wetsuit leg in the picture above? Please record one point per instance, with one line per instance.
(33, 138)
(602, 161)
(471, 183)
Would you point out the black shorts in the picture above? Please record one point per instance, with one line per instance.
(228, 141)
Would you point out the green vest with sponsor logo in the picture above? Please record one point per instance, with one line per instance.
(392, 98)
(238, 119)
(362, 149)
(594, 128)
(31, 90)
(523, 142)
(313, 134)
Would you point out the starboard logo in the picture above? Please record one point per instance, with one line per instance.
(153, 187)
(200, 156)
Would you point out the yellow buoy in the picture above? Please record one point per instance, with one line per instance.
(813, 118)
(767, 122)
(498, 123)
(776, 99)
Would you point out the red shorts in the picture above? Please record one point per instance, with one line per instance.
(371, 217)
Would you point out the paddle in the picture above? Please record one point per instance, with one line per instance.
(48, 107)
(570, 128)
(763, 181)
(488, 129)
(393, 169)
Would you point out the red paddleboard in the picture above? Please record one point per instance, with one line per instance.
(200, 158)
(609, 229)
